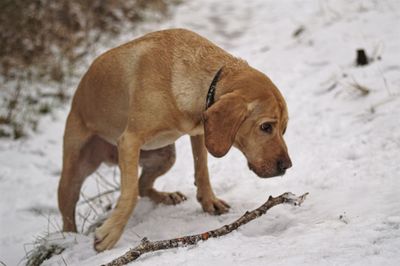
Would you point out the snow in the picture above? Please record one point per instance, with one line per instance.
(345, 148)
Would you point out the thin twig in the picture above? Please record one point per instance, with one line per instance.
(115, 177)
(65, 263)
(89, 203)
(88, 200)
(102, 178)
(100, 199)
(55, 226)
(147, 246)
(364, 90)
(85, 218)
(385, 81)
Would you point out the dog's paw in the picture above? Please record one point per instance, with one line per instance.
(168, 198)
(106, 236)
(214, 205)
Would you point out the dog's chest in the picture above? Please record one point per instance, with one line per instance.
(162, 139)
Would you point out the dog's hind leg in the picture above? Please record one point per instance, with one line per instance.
(156, 163)
(83, 153)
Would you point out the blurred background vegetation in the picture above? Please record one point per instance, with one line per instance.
(43, 43)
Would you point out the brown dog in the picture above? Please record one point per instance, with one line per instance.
(137, 99)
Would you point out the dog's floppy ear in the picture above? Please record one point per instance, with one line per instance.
(221, 123)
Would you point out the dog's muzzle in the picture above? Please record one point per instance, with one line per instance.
(267, 172)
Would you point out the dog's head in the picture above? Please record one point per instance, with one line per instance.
(251, 116)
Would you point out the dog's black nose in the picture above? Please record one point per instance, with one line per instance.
(284, 164)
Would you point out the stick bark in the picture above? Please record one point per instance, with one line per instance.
(147, 246)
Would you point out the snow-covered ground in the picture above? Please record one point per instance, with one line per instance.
(345, 148)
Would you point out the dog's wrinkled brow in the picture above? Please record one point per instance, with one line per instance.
(269, 120)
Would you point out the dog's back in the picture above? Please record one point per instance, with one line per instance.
(173, 63)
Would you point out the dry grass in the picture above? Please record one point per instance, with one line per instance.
(41, 43)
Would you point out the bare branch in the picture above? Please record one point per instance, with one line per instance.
(147, 246)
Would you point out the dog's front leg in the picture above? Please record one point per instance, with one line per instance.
(205, 194)
(128, 153)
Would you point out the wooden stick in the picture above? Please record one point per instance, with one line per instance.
(147, 246)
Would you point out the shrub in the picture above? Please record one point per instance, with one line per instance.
(41, 43)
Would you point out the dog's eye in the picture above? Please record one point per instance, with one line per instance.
(266, 127)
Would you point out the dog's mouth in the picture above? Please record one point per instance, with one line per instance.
(265, 172)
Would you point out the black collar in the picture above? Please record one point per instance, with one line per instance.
(211, 90)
